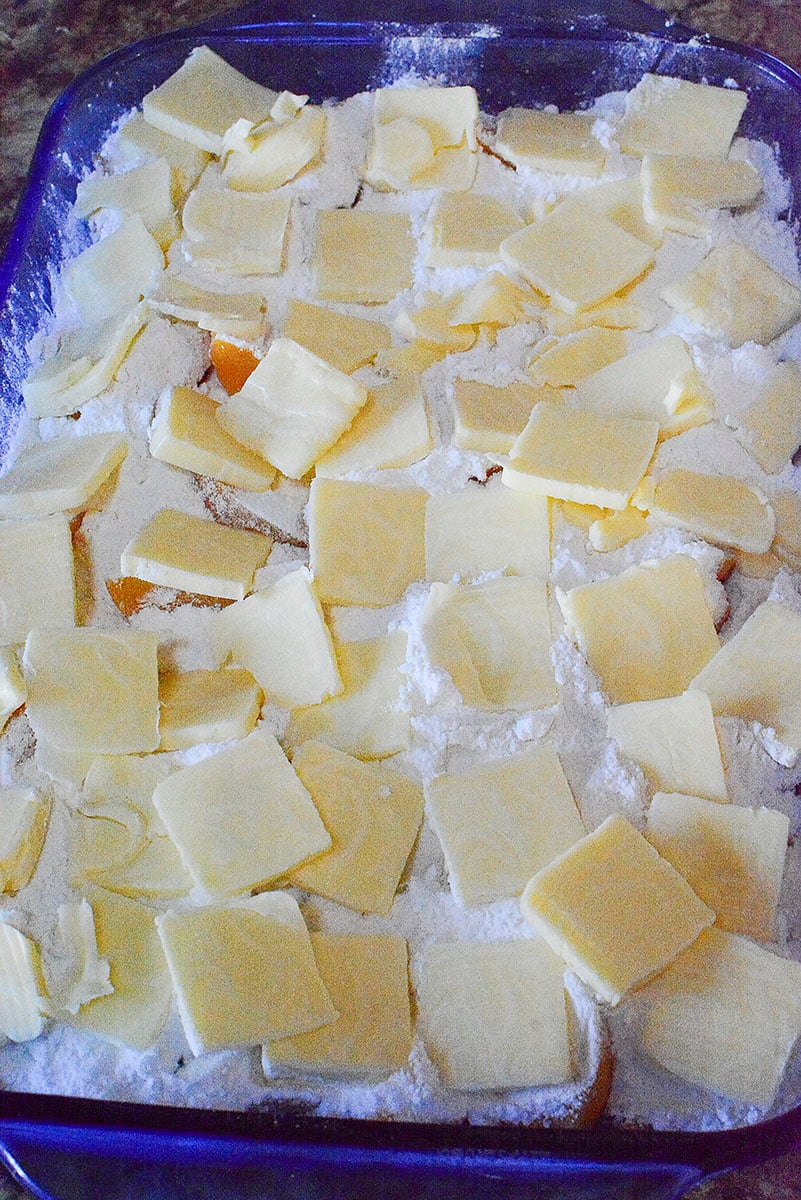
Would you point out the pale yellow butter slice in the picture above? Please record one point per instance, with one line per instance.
(363, 257)
(665, 115)
(448, 114)
(494, 1015)
(494, 300)
(23, 999)
(610, 314)
(240, 817)
(367, 977)
(678, 191)
(243, 972)
(129, 779)
(574, 454)
(60, 474)
(280, 635)
(400, 150)
(719, 508)
(105, 835)
(138, 139)
(368, 719)
(275, 151)
(62, 766)
(494, 640)
(344, 341)
(37, 584)
(193, 554)
(650, 384)
(736, 294)
(732, 857)
(83, 975)
(490, 418)
(674, 740)
(616, 529)
(186, 433)
(207, 706)
(423, 137)
(576, 259)
(93, 691)
(239, 233)
(239, 314)
(146, 190)
(660, 608)
(564, 362)
(24, 817)
(487, 528)
(467, 228)
(615, 910)
(12, 684)
(292, 408)
(502, 821)
(353, 527)
(771, 426)
(621, 200)
(560, 143)
(391, 430)
(204, 98)
(111, 276)
(432, 321)
(706, 1017)
(373, 815)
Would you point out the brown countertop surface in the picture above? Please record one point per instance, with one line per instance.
(44, 44)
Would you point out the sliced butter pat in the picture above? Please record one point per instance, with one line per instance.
(610, 314)
(367, 719)
(111, 276)
(495, 300)
(615, 910)
(661, 608)
(489, 418)
(453, 170)
(719, 508)
(737, 295)
(577, 259)
(241, 817)
(373, 815)
(24, 817)
(193, 554)
(771, 426)
(432, 321)
(467, 229)
(37, 584)
(60, 474)
(559, 143)
(204, 98)
(678, 192)
(239, 314)
(61, 765)
(276, 151)
(87, 975)
(353, 527)
(392, 430)
(665, 115)
(487, 528)
(494, 640)
(146, 190)
(13, 691)
(706, 1017)
(621, 200)
(105, 835)
(787, 544)
(136, 1012)
(756, 675)
(732, 857)
(502, 821)
(280, 635)
(494, 1014)
(363, 257)
(566, 361)
(616, 529)
(128, 779)
(23, 1001)
(449, 114)
(675, 742)
(207, 706)
(344, 341)
(367, 977)
(292, 408)
(240, 233)
(650, 384)
(400, 150)
(575, 454)
(157, 872)
(93, 691)
(256, 956)
(138, 139)
(186, 433)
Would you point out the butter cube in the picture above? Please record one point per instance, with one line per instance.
(673, 116)
(678, 191)
(575, 454)
(707, 1017)
(737, 295)
(577, 260)
(495, 300)
(275, 151)
(502, 821)
(651, 384)
(111, 276)
(487, 528)
(489, 418)
(292, 408)
(232, 314)
(240, 233)
(93, 691)
(373, 815)
(37, 584)
(186, 433)
(756, 675)
(207, 706)
(244, 972)
(23, 1001)
(564, 362)
(610, 532)
(203, 99)
(392, 430)
(13, 692)
(354, 527)
(146, 190)
(659, 607)
(344, 341)
(60, 474)
(192, 554)
(467, 229)
(494, 1014)
(494, 640)
(560, 143)
(363, 257)
(367, 719)
(615, 910)
(138, 139)
(719, 508)
(280, 636)
(771, 430)
(674, 741)
(24, 817)
(732, 857)
(366, 976)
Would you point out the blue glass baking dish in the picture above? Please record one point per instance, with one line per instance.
(563, 52)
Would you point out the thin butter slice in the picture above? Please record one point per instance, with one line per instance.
(23, 1001)
(344, 341)
(146, 190)
(37, 582)
(24, 817)
(487, 528)
(60, 474)
(198, 707)
(490, 418)
(240, 314)
(665, 115)
(678, 192)
(274, 152)
(654, 383)
(13, 692)
(83, 975)
(467, 229)
(111, 276)
(392, 430)
(559, 143)
(718, 508)
(363, 257)
(138, 140)
(564, 362)
(239, 233)
(772, 423)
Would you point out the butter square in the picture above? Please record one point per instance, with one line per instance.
(24, 817)
(363, 257)
(771, 426)
(494, 300)
(207, 706)
(650, 384)
(467, 229)
(238, 233)
(678, 191)
(231, 314)
(138, 139)
(621, 200)
(615, 910)
(489, 418)
(487, 528)
(61, 474)
(392, 430)
(559, 143)
(665, 115)
(265, 157)
(373, 815)
(23, 1003)
(717, 508)
(344, 341)
(564, 362)
(145, 189)
(37, 583)
(111, 276)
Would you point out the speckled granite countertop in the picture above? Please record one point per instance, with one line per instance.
(44, 44)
